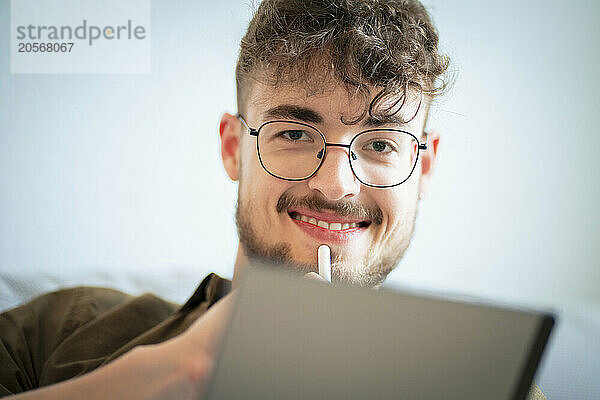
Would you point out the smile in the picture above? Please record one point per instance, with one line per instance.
(328, 227)
(332, 226)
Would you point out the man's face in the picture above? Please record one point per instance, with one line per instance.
(270, 212)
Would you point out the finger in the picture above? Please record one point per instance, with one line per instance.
(314, 276)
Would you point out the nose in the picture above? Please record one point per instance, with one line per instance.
(335, 179)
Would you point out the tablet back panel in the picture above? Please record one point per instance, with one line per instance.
(299, 339)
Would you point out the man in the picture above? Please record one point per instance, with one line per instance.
(328, 146)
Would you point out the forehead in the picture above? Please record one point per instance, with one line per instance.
(329, 103)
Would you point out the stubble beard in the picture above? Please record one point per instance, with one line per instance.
(371, 272)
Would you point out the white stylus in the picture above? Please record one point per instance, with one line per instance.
(324, 257)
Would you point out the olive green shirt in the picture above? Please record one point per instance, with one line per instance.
(64, 334)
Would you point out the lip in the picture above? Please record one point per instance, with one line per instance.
(323, 235)
(328, 217)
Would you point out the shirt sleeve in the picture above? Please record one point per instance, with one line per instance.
(30, 333)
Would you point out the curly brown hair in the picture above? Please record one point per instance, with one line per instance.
(390, 45)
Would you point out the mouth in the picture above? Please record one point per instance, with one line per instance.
(327, 226)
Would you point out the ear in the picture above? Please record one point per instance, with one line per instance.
(230, 132)
(428, 159)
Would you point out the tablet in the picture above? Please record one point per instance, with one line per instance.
(291, 338)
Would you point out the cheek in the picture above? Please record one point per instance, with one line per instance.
(248, 159)
(255, 183)
(398, 206)
(258, 190)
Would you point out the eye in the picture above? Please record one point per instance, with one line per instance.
(379, 146)
(295, 135)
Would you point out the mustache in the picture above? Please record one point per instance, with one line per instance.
(345, 208)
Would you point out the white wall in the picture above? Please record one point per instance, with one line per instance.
(514, 209)
(116, 179)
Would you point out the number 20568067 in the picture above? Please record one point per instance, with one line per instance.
(45, 47)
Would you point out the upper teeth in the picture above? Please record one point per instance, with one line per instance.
(333, 226)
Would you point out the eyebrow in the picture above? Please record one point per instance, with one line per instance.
(308, 115)
(289, 111)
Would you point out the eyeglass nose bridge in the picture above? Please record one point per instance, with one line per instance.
(347, 146)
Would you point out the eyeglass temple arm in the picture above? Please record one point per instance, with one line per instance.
(423, 146)
(251, 131)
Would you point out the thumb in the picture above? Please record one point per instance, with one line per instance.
(314, 276)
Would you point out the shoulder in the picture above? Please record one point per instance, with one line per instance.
(58, 333)
(56, 315)
(55, 307)
(44, 322)
(65, 301)
(30, 332)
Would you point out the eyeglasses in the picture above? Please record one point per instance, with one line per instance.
(295, 151)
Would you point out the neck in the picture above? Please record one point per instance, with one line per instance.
(241, 263)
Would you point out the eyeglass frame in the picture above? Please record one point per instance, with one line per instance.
(255, 132)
